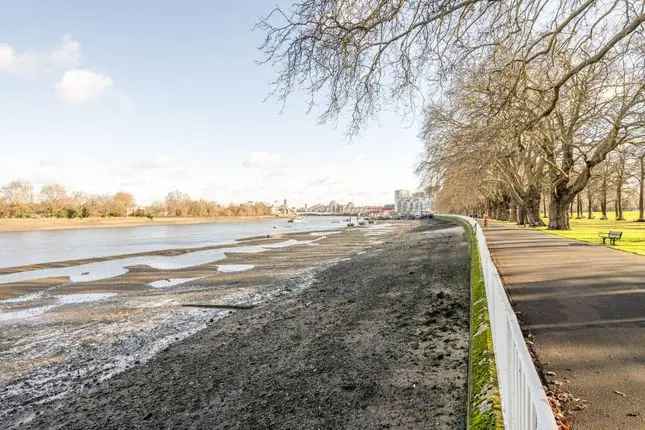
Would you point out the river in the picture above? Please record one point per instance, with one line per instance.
(46, 246)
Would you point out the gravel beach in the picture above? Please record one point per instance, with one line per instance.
(378, 339)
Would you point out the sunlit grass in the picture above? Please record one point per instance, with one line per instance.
(589, 230)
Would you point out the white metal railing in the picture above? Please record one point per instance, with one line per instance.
(524, 402)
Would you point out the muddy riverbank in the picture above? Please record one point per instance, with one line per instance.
(60, 335)
(377, 340)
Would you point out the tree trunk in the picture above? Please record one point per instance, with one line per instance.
(499, 213)
(578, 207)
(589, 204)
(559, 206)
(545, 212)
(619, 200)
(615, 208)
(533, 199)
(640, 194)
(521, 215)
(512, 212)
(603, 201)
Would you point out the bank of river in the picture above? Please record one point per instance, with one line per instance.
(33, 224)
(60, 336)
(362, 329)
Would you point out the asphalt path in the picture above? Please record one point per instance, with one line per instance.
(584, 306)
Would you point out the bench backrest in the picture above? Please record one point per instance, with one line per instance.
(615, 234)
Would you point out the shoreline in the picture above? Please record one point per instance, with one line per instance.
(14, 225)
(358, 331)
(59, 337)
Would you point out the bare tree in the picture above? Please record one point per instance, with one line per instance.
(559, 82)
(18, 196)
(54, 198)
(177, 203)
(358, 54)
(641, 187)
(122, 203)
(620, 176)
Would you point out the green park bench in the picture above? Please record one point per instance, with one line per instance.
(612, 236)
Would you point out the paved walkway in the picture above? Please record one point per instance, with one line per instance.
(585, 305)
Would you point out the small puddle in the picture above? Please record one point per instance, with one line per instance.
(60, 300)
(325, 233)
(25, 313)
(73, 299)
(171, 282)
(232, 268)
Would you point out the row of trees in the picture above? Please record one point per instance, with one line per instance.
(19, 200)
(486, 152)
(524, 101)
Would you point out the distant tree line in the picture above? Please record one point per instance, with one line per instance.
(18, 199)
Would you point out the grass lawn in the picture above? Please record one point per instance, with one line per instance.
(589, 230)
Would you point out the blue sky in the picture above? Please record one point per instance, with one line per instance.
(149, 97)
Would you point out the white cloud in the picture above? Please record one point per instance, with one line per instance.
(262, 160)
(76, 85)
(80, 85)
(7, 57)
(65, 55)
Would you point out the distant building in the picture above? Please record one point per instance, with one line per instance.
(400, 195)
(334, 207)
(337, 208)
(275, 208)
(281, 209)
(407, 203)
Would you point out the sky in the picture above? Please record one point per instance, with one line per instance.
(155, 96)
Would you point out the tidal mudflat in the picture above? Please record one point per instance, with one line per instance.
(67, 327)
(367, 328)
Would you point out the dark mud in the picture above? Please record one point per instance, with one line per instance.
(378, 341)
